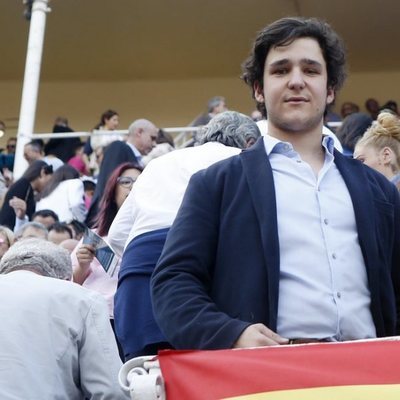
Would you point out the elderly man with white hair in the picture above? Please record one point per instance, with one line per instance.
(140, 141)
(56, 339)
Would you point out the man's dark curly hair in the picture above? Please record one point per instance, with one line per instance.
(282, 33)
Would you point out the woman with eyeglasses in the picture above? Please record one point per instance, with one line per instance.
(20, 198)
(87, 271)
(7, 239)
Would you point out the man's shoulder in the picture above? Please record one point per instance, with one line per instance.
(379, 180)
(234, 164)
(375, 179)
(117, 144)
(116, 153)
(224, 166)
(215, 150)
(71, 296)
(115, 149)
(74, 290)
(187, 161)
(57, 289)
(222, 175)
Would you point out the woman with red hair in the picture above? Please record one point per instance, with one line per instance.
(87, 271)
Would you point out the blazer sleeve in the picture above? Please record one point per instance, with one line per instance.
(182, 281)
(396, 256)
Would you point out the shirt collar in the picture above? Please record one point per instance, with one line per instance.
(136, 152)
(396, 179)
(274, 145)
(328, 143)
(23, 272)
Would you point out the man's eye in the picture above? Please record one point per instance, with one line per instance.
(311, 71)
(280, 71)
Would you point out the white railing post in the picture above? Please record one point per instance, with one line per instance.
(31, 82)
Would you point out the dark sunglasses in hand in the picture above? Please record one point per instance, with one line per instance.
(126, 181)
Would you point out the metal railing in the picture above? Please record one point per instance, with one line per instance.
(182, 136)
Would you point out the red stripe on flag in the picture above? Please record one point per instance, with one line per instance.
(228, 373)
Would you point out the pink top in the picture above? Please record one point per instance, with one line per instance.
(99, 280)
(87, 200)
(78, 164)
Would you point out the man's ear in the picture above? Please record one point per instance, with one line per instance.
(258, 92)
(139, 132)
(330, 95)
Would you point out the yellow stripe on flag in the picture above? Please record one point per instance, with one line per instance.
(359, 392)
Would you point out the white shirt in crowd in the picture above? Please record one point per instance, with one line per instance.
(56, 341)
(66, 200)
(157, 194)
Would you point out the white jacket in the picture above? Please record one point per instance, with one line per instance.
(66, 200)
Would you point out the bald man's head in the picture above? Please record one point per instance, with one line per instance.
(143, 135)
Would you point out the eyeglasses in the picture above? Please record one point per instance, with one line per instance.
(126, 181)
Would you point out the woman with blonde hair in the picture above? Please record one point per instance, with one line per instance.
(379, 148)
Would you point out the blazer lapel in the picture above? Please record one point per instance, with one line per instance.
(361, 195)
(258, 173)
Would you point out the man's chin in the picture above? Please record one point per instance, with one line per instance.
(298, 125)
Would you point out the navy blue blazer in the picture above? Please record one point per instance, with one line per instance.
(219, 270)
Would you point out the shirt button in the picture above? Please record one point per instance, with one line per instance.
(298, 161)
(339, 295)
(326, 221)
(334, 256)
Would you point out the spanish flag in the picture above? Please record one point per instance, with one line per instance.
(363, 370)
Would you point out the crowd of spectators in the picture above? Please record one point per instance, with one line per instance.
(48, 208)
(50, 203)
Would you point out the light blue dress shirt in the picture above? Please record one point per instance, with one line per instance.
(323, 290)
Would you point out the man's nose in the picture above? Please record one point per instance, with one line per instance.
(296, 79)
